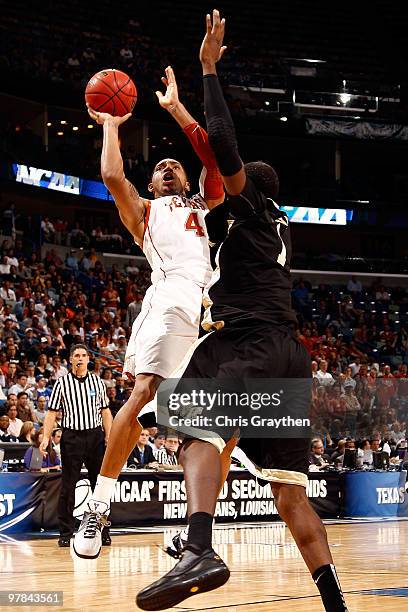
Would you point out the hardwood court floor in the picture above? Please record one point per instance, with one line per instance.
(267, 572)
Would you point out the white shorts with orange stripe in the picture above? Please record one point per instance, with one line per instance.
(166, 327)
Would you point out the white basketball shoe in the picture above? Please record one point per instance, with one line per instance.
(88, 539)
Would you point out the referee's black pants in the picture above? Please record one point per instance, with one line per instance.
(77, 447)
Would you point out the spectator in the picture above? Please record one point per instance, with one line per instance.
(42, 389)
(56, 441)
(352, 408)
(355, 366)
(5, 435)
(111, 297)
(11, 259)
(121, 348)
(386, 387)
(23, 272)
(337, 406)
(48, 230)
(88, 55)
(3, 399)
(354, 286)
(397, 433)
(73, 61)
(58, 418)
(43, 368)
(4, 266)
(71, 261)
(142, 454)
(30, 345)
(114, 404)
(126, 54)
(338, 455)
(15, 423)
(9, 331)
(382, 295)
(317, 458)
(158, 443)
(21, 385)
(31, 381)
(50, 459)
(27, 432)
(121, 389)
(347, 379)
(167, 454)
(25, 412)
(364, 454)
(133, 311)
(108, 378)
(41, 409)
(7, 293)
(324, 377)
(58, 369)
(301, 297)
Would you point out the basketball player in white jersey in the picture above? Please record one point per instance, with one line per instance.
(171, 231)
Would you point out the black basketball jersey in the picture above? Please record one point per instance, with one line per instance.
(251, 252)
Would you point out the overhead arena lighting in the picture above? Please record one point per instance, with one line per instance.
(345, 98)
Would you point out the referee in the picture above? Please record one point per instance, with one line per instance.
(86, 424)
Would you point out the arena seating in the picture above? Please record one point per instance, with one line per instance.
(71, 300)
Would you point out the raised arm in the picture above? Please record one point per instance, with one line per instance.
(221, 130)
(211, 184)
(170, 100)
(130, 205)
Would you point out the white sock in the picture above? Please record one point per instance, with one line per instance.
(101, 497)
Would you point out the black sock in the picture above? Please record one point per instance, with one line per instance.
(326, 580)
(199, 532)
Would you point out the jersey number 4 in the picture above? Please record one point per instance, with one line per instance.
(193, 224)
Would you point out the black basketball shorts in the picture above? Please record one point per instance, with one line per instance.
(248, 352)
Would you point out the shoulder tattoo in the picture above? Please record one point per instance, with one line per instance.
(133, 192)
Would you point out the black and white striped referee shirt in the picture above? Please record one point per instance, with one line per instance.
(166, 458)
(81, 401)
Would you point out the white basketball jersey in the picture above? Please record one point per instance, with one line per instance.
(175, 240)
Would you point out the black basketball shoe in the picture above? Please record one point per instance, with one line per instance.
(193, 574)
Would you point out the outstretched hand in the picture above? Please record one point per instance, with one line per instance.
(100, 118)
(212, 48)
(169, 99)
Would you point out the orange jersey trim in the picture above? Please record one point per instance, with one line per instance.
(147, 217)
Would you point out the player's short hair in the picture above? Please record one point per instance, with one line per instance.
(264, 178)
(75, 347)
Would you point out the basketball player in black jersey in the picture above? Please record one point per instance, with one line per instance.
(256, 340)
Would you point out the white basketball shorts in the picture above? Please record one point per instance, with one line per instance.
(165, 329)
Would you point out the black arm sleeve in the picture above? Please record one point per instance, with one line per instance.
(220, 127)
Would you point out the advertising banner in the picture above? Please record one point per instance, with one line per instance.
(21, 496)
(371, 494)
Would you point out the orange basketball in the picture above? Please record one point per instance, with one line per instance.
(111, 91)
